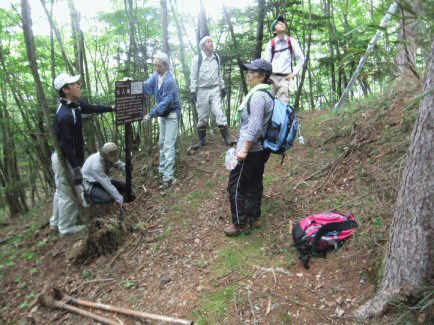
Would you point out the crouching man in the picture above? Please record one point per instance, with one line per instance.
(98, 186)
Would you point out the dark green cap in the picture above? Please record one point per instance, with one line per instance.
(275, 21)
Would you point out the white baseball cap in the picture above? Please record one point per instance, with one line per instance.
(64, 79)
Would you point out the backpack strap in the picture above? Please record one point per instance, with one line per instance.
(333, 226)
(290, 45)
(273, 48)
(199, 63)
(263, 90)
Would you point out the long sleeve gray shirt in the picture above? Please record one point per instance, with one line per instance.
(253, 126)
(209, 75)
(95, 170)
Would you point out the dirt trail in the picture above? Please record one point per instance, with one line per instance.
(184, 266)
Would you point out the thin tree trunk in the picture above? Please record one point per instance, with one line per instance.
(303, 72)
(58, 38)
(203, 29)
(260, 29)
(409, 263)
(185, 69)
(369, 50)
(164, 27)
(31, 55)
(234, 41)
(407, 46)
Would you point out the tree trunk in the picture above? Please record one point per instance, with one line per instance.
(11, 179)
(369, 50)
(409, 263)
(234, 40)
(260, 29)
(303, 72)
(132, 49)
(31, 55)
(407, 46)
(58, 38)
(185, 69)
(164, 27)
(327, 13)
(202, 26)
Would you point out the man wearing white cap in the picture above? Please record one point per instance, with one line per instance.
(281, 52)
(162, 85)
(69, 132)
(207, 90)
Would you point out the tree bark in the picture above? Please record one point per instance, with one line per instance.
(303, 72)
(409, 263)
(185, 69)
(234, 41)
(260, 29)
(31, 55)
(407, 46)
(164, 27)
(58, 38)
(202, 26)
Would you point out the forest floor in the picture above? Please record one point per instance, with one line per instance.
(177, 261)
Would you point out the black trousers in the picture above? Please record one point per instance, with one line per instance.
(98, 195)
(245, 188)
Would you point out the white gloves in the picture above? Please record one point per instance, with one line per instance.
(147, 118)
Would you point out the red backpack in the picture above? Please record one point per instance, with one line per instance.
(319, 233)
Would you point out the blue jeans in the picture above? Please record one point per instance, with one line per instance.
(168, 136)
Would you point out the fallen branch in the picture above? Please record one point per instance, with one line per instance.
(91, 281)
(272, 270)
(251, 306)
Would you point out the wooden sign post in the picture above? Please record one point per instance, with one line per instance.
(129, 108)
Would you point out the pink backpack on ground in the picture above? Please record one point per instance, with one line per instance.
(319, 233)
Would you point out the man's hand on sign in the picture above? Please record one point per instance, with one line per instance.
(114, 108)
(127, 79)
(147, 118)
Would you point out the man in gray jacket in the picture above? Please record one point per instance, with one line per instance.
(207, 90)
(98, 186)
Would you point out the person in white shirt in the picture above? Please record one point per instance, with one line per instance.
(98, 186)
(207, 90)
(280, 52)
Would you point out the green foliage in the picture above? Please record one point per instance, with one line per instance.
(216, 306)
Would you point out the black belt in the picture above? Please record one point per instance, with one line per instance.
(208, 87)
(280, 74)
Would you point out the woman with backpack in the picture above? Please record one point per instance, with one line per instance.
(245, 185)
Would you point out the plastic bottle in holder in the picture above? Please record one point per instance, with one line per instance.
(300, 138)
(231, 159)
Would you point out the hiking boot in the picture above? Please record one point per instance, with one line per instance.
(234, 230)
(224, 131)
(254, 224)
(72, 230)
(202, 135)
(167, 184)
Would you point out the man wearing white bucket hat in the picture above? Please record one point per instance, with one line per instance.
(207, 90)
(68, 129)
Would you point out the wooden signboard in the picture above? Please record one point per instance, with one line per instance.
(129, 108)
(129, 101)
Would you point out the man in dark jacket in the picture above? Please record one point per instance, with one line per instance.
(68, 128)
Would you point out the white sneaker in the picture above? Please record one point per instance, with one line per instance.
(72, 230)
